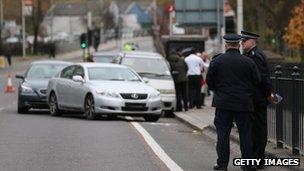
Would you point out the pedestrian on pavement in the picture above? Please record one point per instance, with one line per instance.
(262, 95)
(232, 77)
(96, 40)
(179, 72)
(195, 65)
(204, 89)
(8, 54)
(52, 50)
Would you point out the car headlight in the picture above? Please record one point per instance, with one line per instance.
(108, 94)
(167, 91)
(26, 89)
(154, 95)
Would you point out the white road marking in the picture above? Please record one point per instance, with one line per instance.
(9, 106)
(162, 155)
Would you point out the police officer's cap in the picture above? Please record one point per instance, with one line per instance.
(232, 38)
(249, 35)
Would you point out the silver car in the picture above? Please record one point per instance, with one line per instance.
(108, 89)
(155, 68)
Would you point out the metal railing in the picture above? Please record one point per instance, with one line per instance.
(286, 119)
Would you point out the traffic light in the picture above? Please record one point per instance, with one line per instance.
(83, 41)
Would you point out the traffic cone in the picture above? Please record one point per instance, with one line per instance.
(9, 87)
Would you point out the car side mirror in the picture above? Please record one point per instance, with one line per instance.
(78, 78)
(146, 80)
(19, 77)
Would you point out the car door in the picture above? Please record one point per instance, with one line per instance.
(78, 89)
(63, 86)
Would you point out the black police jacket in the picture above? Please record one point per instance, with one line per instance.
(233, 77)
(263, 90)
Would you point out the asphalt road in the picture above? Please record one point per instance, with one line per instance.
(37, 141)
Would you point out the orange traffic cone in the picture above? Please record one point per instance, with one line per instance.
(9, 87)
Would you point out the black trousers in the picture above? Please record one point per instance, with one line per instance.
(194, 84)
(181, 95)
(259, 133)
(223, 123)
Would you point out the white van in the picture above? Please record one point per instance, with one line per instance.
(153, 68)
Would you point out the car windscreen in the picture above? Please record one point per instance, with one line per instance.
(148, 66)
(38, 71)
(104, 58)
(112, 74)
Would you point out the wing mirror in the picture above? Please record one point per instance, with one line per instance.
(19, 77)
(146, 80)
(78, 78)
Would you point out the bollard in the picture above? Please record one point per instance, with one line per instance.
(279, 110)
(2, 62)
(295, 112)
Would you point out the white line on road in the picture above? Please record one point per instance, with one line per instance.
(155, 147)
(9, 106)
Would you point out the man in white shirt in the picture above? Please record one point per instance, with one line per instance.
(195, 65)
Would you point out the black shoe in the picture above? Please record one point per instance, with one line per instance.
(218, 167)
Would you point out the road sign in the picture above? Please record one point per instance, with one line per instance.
(199, 12)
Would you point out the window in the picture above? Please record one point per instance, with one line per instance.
(112, 74)
(67, 72)
(147, 67)
(79, 71)
(44, 71)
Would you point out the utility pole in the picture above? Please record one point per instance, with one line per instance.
(23, 29)
(1, 14)
(1, 20)
(239, 16)
(52, 19)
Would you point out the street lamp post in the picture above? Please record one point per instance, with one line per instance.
(52, 19)
(239, 16)
(23, 29)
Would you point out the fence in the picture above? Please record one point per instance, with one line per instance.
(286, 119)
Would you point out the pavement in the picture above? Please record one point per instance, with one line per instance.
(202, 120)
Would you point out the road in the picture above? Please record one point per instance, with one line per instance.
(37, 141)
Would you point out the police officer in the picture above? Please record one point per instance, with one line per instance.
(232, 77)
(261, 96)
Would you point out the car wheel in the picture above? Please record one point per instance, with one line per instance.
(54, 105)
(152, 118)
(89, 108)
(169, 114)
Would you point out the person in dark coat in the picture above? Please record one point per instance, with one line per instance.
(262, 94)
(52, 49)
(179, 72)
(8, 55)
(96, 40)
(232, 77)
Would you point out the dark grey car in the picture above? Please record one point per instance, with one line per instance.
(32, 88)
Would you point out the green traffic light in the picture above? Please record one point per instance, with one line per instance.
(83, 45)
